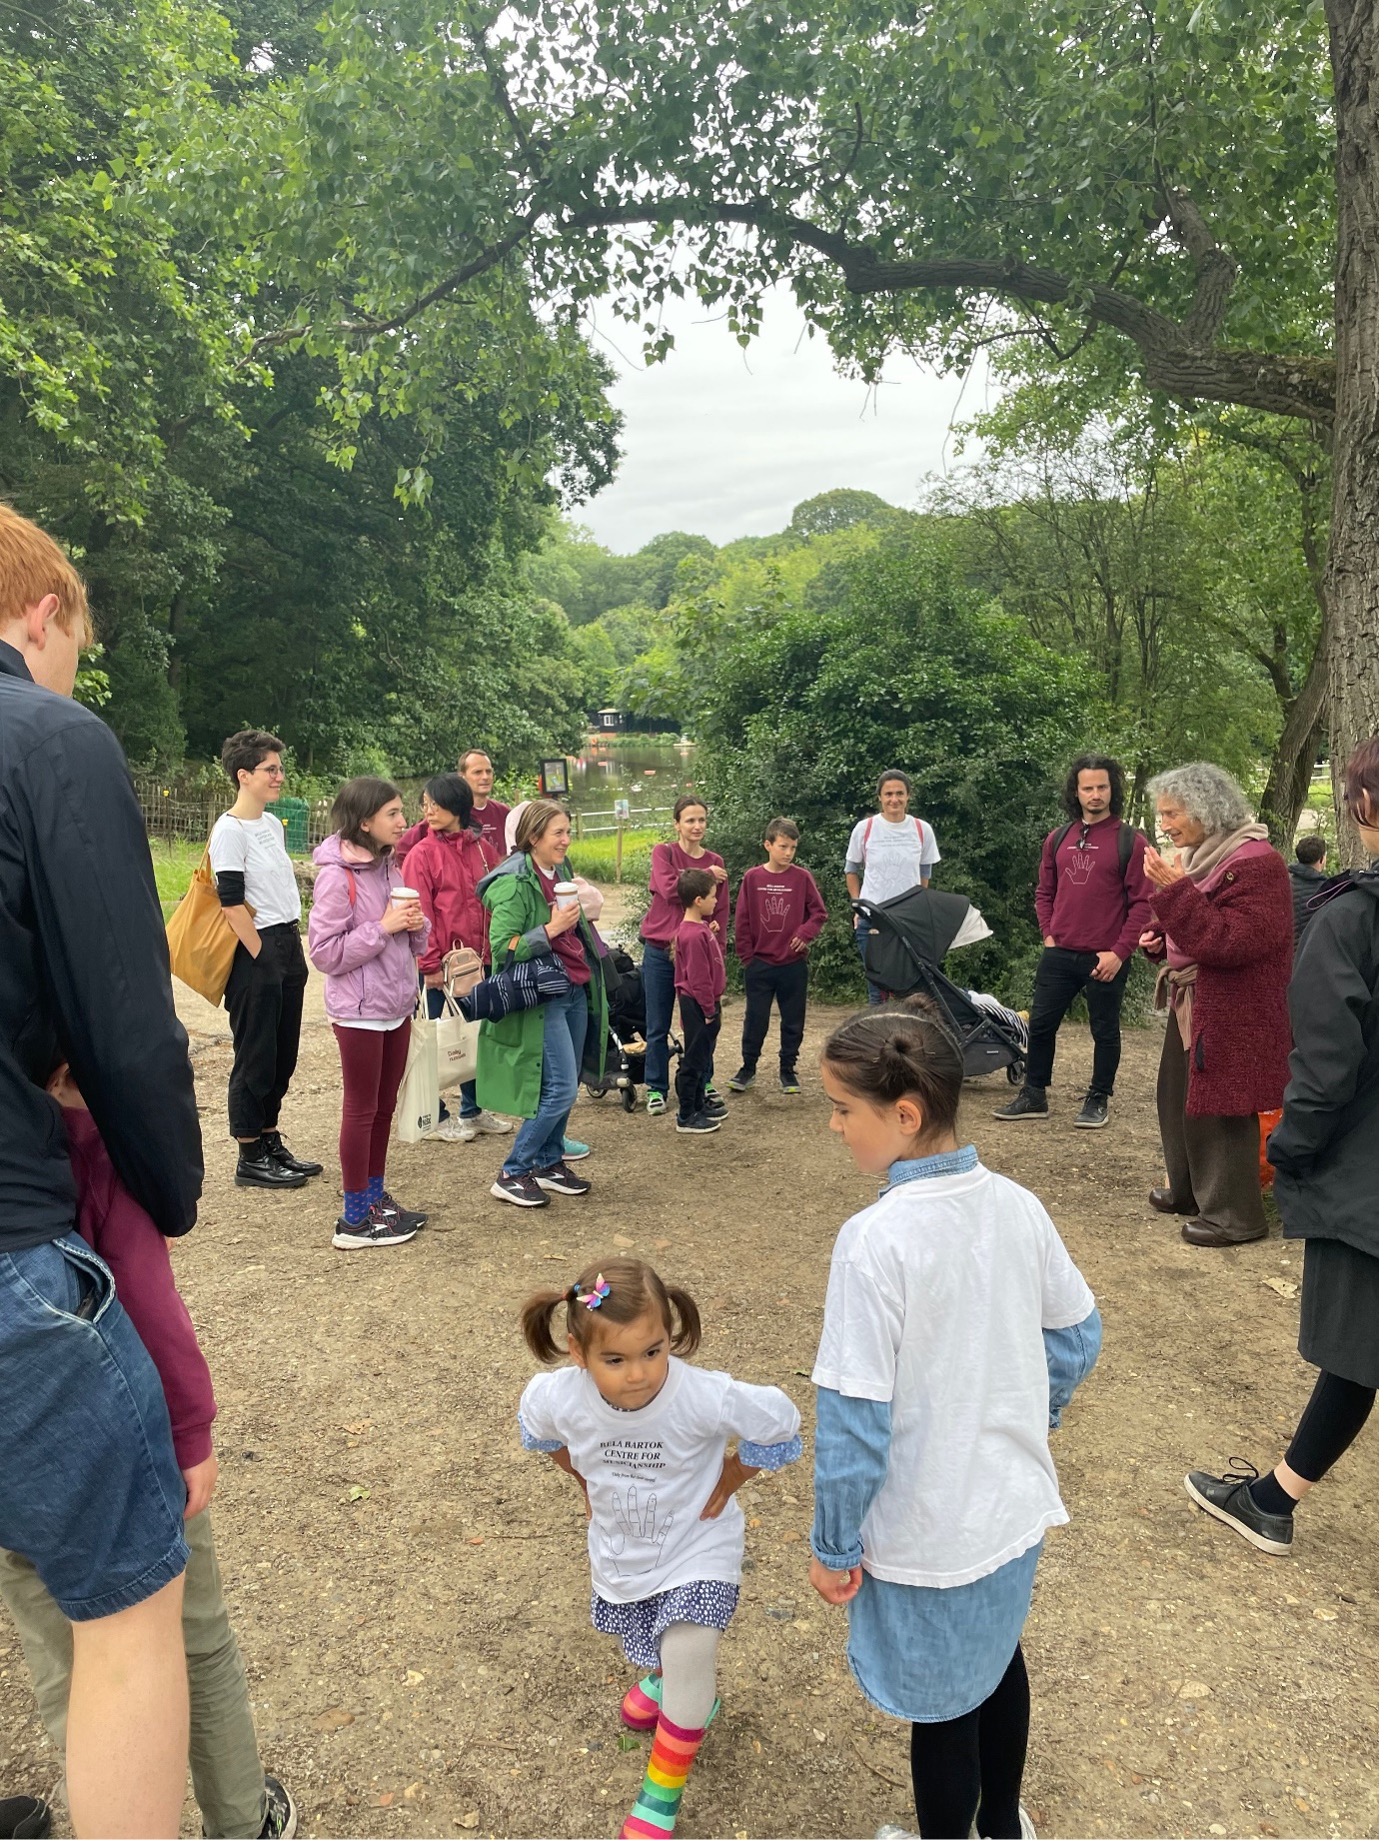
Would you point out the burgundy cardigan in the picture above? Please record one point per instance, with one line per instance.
(1240, 933)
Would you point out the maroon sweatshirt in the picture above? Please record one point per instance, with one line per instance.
(665, 912)
(699, 966)
(492, 826)
(1082, 901)
(773, 909)
(112, 1222)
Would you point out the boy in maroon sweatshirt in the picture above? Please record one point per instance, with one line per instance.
(699, 978)
(236, 1796)
(778, 914)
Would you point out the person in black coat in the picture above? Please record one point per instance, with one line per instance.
(1325, 1155)
(1307, 878)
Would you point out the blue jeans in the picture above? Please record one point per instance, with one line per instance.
(89, 1488)
(862, 934)
(538, 1143)
(656, 975)
(470, 1106)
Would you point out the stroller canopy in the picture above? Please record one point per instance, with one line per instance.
(915, 931)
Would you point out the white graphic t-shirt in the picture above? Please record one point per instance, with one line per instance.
(896, 855)
(649, 1472)
(257, 849)
(937, 1301)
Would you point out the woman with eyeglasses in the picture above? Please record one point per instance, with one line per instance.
(264, 994)
(1222, 932)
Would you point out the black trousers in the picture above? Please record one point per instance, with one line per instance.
(763, 984)
(969, 1770)
(1331, 1423)
(265, 999)
(698, 1049)
(1064, 975)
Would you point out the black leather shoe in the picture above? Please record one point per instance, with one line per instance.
(256, 1169)
(25, 1816)
(1162, 1200)
(285, 1159)
(1229, 1501)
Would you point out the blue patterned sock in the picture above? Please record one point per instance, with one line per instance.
(356, 1207)
(375, 1192)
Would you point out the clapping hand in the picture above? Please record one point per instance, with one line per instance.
(1160, 872)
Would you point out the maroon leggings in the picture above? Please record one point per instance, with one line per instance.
(372, 1068)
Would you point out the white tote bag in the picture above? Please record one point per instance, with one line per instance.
(441, 1053)
(456, 1045)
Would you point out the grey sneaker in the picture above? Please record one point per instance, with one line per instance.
(488, 1122)
(377, 1230)
(1095, 1112)
(1229, 1501)
(280, 1811)
(453, 1131)
(1028, 1103)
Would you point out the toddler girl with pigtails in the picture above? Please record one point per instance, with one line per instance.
(645, 1435)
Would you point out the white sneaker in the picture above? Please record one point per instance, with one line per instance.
(488, 1122)
(452, 1130)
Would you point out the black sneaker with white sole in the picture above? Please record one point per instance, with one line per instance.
(522, 1191)
(25, 1816)
(714, 1106)
(1228, 1499)
(699, 1123)
(406, 1218)
(1095, 1112)
(280, 1812)
(377, 1230)
(741, 1081)
(1028, 1103)
(562, 1180)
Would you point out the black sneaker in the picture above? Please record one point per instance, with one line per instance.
(406, 1218)
(280, 1811)
(700, 1123)
(25, 1816)
(1028, 1103)
(522, 1191)
(376, 1230)
(742, 1081)
(1095, 1112)
(257, 1169)
(563, 1180)
(1229, 1501)
(285, 1159)
(713, 1105)
(788, 1084)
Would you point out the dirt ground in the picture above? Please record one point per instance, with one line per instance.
(410, 1590)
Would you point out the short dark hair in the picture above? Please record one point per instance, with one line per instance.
(452, 793)
(246, 749)
(693, 885)
(892, 774)
(1311, 849)
(357, 801)
(781, 828)
(633, 1288)
(1094, 764)
(1362, 782)
(681, 805)
(900, 1048)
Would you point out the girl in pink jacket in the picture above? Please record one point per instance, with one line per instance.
(367, 943)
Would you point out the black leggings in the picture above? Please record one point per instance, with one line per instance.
(969, 1770)
(1330, 1423)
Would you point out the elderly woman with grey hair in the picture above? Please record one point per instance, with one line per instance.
(1223, 932)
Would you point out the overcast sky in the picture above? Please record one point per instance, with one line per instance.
(726, 442)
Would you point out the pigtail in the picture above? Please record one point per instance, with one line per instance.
(686, 1337)
(536, 1322)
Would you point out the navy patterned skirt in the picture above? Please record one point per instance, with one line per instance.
(641, 1623)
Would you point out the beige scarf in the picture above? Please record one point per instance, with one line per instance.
(1173, 989)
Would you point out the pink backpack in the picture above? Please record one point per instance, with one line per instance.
(869, 826)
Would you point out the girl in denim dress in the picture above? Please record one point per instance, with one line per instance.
(956, 1326)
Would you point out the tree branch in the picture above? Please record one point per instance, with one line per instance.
(1215, 270)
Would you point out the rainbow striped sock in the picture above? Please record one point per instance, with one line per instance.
(655, 1810)
(639, 1709)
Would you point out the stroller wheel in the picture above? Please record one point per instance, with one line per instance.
(1016, 1071)
(627, 1098)
(596, 1090)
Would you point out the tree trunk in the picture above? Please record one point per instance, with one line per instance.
(1352, 566)
(1290, 773)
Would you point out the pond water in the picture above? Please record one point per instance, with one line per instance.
(650, 775)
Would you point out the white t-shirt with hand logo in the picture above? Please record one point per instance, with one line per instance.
(896, 856)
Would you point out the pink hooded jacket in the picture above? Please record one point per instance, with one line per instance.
(371, 975)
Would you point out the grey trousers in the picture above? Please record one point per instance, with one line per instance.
(222, 1750)
(1212, 1159)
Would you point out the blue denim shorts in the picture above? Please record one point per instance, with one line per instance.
(90, 1490)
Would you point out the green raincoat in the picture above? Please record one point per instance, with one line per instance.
(509, 1054)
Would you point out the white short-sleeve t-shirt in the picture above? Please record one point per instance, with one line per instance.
(898, 854)
(649, 1472)
(937, 1301)
(257, 849)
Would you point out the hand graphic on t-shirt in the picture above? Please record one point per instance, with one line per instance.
(775, 913)
(1079, 866)
(631, 1527)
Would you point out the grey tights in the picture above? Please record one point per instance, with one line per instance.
(688, 1657)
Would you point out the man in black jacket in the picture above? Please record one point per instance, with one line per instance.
(89, 1487)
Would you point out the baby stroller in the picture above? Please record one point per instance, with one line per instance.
(909, 936)
(625, 1012)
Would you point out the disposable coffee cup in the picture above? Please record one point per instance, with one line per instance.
(566, 895)
(403, 896)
